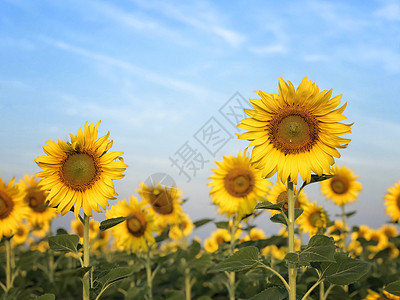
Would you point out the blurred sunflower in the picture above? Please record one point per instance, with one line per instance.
(40, 214)
(379, 237)
(163, 201)
(389, 230)
(183, 228)
(237, 186)
(77, 228)
(217, 238)
(80, 173)
(372, 295)
(313, 220)
(343, 188)
(101, 242)
(336, 231)
(21, 233)
(12, 208)
(278, 193)
(392, 202)
(296, 131)
(136, 233)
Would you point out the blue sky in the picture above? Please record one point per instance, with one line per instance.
(155, 72)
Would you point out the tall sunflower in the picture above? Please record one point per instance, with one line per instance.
(343, 188)
(237, 186)
(296, 131)
(163, 201)
(12, 208)
(40, 214)
(183, 228)
(313, 220)
(392, 202)
(80, 173)
(136, 233)
(278, 193)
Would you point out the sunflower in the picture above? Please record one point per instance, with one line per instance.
(136, 233)
(313, 220)
(21, 233)
(392, 202)
(336, 231)
(278, 193)
(372, 295)
(12, 208)
(183, 228)
(343, 188)
(295, 131)
(100, 243)
(77, 228)
(163, 201)
(40, 214)
(80, 173)
(389, 230)
(217, 238)
(237, 186)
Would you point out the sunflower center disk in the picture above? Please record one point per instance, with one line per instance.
(339, 185)
(79, 170)
(6, 205)
(162, 201)
(36, 200)
(136, 225)
(398, 201)
(315, 219)
(293, 130)
(283, 197)
(239, 182)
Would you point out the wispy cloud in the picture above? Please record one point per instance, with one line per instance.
(153, 77)
(272, 49)
(389, 11)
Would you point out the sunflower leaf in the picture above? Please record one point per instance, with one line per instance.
(244, 259)
(393, 288)
(279, 218)
(46, 297)
(272, 293)
(106, 224)
(116, 274)
(269, 205)
(316, 178)
(202, 222)
(78, 272)
(222, 225)
(321, 248)
(64, 242)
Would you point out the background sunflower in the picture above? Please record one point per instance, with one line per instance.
(392, 202)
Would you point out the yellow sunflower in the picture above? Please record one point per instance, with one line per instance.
(372, 295)
(12, 208)
(80, 173)
(40, 214)
(136, 233)
(313, 219)
(77, 228)
(163, 201)
(389, 230)
(278, 193)
(217, 238)
(237, 186)
(332, 231)
(183, 228)
(101, 242)
(296, 131)
(21, 234)
(343, 188)
(392, 202)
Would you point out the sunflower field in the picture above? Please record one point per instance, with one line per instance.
(145, 249)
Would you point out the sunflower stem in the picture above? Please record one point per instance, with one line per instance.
(8, 265)
(231, 275)
(86, 257)
(149, 276)
(188, 284)
(51, 259)
(344, 219)
(292, 269)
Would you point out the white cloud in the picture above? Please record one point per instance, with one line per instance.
(272, 49)
(316, 58)
(389, 11)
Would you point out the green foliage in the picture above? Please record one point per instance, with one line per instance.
(46, 297)
(280, 218)
(394, 288)
(109, 223)
(269, 205)
(64, 242)
(244, 259)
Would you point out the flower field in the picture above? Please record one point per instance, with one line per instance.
(146, 249)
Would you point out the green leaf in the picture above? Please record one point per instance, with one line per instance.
(46, 297)
(64, 242)
(316, 178)
(279, 218)
(116, 274)
(193, 250)
(393, 288)
(106, 224)
(292, 257)
(175, 295)
(271, 293)
(276, 240)
(163, 236)
(244, 259)
(269, 205)
(222, 225)
(79, 272)
(320, 248)
(202, 222)
(344, 270)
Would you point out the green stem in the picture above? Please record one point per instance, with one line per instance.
(149, 276)
(188, 284)
(344, 219)
(231, 275)
(86, 257)
(291, 268)
(277, 274)
(8, 265)
(322, 291)
(51, 259)
(311, 289)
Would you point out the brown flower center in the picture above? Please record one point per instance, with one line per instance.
(398, 201)
(36, 200)
(136, 224)
(340, 185)
(220, 240)
(283, 196)
(6, 205)
(239, 182)
(293, 130)
(315, 219)
(80, 171)
(161, 199)
(79, 229)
